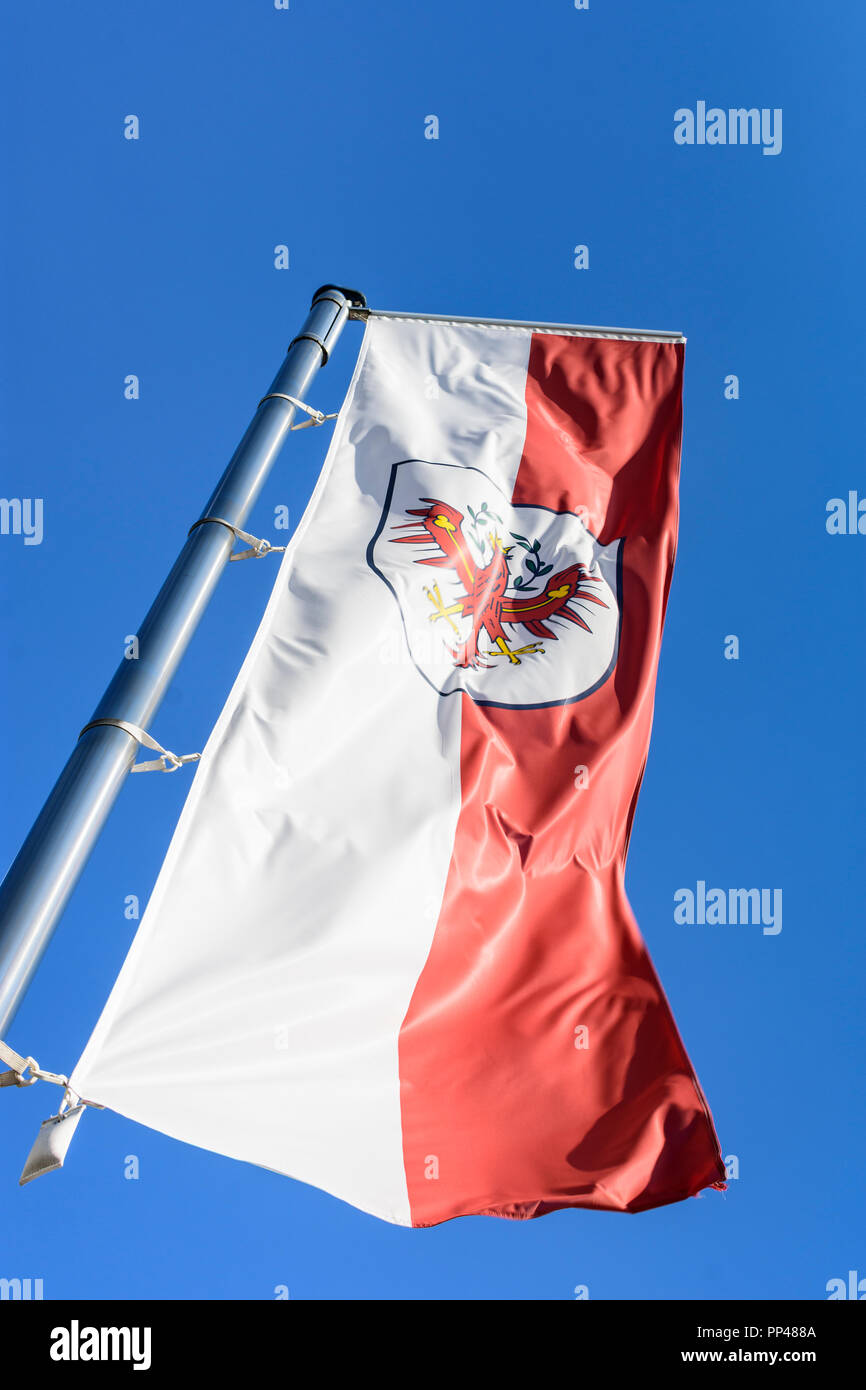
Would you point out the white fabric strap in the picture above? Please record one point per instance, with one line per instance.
(20, 1066)
(317, 417)
(258, 548)
(168, 762)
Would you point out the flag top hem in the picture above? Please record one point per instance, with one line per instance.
(648, 335)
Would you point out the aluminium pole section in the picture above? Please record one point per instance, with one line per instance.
(46, 869)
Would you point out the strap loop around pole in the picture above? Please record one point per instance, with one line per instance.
(257, 548)
(168, 762)
(317, 417)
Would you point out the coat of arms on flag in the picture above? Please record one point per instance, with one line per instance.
(523, 607)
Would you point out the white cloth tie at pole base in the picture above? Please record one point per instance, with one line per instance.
(52, 1143)
(55, 1133)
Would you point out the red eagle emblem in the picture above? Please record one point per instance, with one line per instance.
(492, 600)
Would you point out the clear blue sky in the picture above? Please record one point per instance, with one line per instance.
(306, 127)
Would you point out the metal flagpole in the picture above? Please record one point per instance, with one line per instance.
(41, 878)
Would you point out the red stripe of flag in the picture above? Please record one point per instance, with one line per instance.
(501, 1112)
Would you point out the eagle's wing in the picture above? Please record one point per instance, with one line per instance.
(441, 525)
(565, 587)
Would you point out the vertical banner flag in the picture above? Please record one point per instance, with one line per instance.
(389, 952)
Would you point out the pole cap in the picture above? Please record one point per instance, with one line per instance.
(355, 297)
